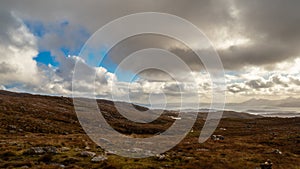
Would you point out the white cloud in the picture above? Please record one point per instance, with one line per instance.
(16, 55)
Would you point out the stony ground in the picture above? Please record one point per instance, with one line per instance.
(43, 132)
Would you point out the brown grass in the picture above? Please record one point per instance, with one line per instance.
(35, 121)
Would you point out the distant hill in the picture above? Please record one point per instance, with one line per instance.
(53, 114)
(288, 102)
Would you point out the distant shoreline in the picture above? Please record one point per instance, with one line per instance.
(259, 112)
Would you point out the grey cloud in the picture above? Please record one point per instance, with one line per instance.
(275, 83)
(273, 26)
(95, 14)
(70, 37)
(236, 88)
(7, 22)
(279, 81)
(6, 68)
(173, 88)
(259, 84)
(257, 54)
(130, 45)
(295, 80)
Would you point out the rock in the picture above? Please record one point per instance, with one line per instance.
(217, 137)
(267, 165)
(203, 149)
(65, 133)
(77, 149)
(160, 156)
(109, 152)
(35, 150)
(87, 148)
(188, 158)
(224, 129)
(41, 150)
(13, 143)
(13, 127)
(98, 158)
(87, 154)
(51, 149)
(274, 134)
(12, 131)
(277, 151)
(64, 149)
(70, 160)
(58, 165)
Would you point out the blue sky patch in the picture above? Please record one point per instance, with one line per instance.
(46, 58)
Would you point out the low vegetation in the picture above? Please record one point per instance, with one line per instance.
(43, 132)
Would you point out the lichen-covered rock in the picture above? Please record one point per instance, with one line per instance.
(98, 158)
(35, 150)
(87, 154)
(41, 150)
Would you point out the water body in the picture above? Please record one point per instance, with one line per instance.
(285, 112)
(266, 111)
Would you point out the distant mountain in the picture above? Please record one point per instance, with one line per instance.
(288, 102)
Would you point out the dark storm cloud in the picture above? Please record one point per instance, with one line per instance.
(257, 54)
(135, 43)
(95, 14)
(273, 27)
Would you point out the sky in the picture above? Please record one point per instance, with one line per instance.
(257, 41)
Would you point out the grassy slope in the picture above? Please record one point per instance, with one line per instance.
(51, 121)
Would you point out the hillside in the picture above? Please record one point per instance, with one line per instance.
(43, 132)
